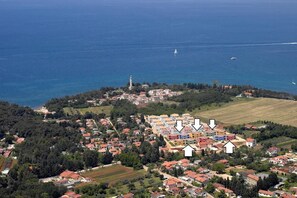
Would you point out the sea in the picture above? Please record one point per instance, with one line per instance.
(53, 48)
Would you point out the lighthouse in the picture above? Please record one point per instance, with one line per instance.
(130, 83)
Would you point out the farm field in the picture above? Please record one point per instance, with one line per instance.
(252, 110)
(113, 174)
(82, 111)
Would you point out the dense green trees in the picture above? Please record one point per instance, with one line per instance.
(161, 108)
(150, 152)
(94, 190)
(237, 184)
(130, 159)
(21, 182)
(90, 158)
(191, 99)
(48, 149)
(273, 130)
(107, 158)
(267, 182)
(294, 147)
(123, 109)
(219, 168)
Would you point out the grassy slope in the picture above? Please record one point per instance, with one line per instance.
(251, 110)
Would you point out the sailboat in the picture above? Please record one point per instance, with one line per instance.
(175, 52)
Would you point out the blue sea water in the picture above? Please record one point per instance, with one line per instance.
(52, 48)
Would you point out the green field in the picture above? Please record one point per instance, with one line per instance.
(113, 174)
(82, 111)
(243, 111)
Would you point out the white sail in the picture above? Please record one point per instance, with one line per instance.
(175, 52)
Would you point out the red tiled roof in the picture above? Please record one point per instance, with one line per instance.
(253, 177)
(70, 174)
(129, 195)
(265, 192)
(226, 190)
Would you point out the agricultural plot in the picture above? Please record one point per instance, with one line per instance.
(247, 111)
(113, 174)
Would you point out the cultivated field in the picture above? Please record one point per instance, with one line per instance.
(82, 111)
(113, 174)
(246, 111)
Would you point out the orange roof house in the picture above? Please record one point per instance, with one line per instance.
(265, 193)
(126, 130)
(137, 144)
(20, 140)
(70, 175)
(129, 195)
(87, 135)
(71, 194)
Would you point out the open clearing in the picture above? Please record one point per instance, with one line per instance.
(247, 111)
(96, 110)
(113, 174)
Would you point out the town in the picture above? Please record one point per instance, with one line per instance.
(135, 154)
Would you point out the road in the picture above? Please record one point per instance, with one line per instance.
(113, 126)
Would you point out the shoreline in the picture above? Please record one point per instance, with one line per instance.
(40, 105)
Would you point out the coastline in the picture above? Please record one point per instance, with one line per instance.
(41, 104)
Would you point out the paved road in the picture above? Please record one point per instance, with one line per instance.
(113, 126)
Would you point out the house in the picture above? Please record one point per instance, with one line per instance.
(87, 136)
(219, 137)
(157, 195)
(252, 179)
(195, 192)
(203, 170)
(173, 136)
(279, 160)
(217, 185)
(126, 130)
(230, 137)
(7, 153)
(250, 142)
(287, 195)
(70, 175)
(191, 175)
(227, 191)
(137, 144)
(202, 178)
(265, 193)
(90, 146)
(272, 151)
(20, 140)
(174, 190)
(184, 136)
(169, 165)
(128, 195)
(278, 170)
(172, 183)
(71, 194)
(223, 161)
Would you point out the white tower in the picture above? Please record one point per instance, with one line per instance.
(130, 83)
